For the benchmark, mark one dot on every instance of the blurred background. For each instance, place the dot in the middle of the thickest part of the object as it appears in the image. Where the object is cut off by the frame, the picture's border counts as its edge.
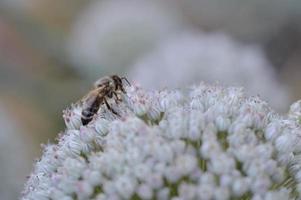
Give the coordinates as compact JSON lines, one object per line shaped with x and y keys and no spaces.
{"x":51,"y":51}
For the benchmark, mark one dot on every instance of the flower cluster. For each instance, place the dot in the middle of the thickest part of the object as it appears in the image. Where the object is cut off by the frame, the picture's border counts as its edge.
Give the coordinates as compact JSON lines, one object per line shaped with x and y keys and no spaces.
{"x":105,"y":28}
{"x":203,"y":142}
{"x":193,"y":56}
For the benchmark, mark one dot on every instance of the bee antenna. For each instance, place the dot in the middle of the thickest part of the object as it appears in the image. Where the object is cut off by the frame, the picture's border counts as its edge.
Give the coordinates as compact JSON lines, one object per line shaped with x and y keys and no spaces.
{"x":123,"y":78}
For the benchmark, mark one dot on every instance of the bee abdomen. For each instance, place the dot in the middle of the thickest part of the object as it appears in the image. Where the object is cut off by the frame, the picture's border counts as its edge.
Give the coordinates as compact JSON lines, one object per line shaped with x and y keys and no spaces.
{"x":86,"y":121}
{"x":87,"y":116}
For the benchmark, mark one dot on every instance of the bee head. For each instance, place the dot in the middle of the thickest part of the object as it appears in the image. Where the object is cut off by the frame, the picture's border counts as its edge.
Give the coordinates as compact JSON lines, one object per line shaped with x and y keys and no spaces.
{"x":114,"y":82}
{"x":118,"y":82}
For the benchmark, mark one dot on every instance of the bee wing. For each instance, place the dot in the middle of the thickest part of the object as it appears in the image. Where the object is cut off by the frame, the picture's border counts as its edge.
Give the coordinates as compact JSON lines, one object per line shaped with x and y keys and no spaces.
{"x":102,"y":82}
{"x":91,"y":96}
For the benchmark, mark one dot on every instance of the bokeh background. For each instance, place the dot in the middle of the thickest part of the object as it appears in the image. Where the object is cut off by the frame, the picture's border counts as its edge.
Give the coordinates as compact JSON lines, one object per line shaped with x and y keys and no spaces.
{"x":51,"y":51}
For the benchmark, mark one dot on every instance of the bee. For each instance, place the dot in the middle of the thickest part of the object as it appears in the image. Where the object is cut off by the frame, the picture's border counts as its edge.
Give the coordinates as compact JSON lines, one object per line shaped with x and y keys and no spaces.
{"x":105,"y":88}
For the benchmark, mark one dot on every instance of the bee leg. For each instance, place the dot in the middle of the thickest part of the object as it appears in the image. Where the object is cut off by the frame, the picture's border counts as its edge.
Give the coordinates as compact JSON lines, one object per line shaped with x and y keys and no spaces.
{"x":117,"y":99}
{"x":110,"y":95}
{"x":123,"y":90}
{"x":123,"y":78}
{"x":110,"y":108}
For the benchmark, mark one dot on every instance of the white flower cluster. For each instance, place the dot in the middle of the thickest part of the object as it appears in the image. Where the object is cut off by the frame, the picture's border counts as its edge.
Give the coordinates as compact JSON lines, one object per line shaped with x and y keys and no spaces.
{"x":194,"y":56}
{"x":203,"y":142}
{"x":106,"y":28}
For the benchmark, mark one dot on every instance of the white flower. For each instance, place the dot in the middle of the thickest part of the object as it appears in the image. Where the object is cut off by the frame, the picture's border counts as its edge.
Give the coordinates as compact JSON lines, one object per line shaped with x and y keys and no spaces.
{"x":240,"y":186}
{"x":273,"y":130}
{"x":233,"y":147}
{"x":186,"y":164}
{"x":260,"y":185}
{"x":188,"y":191}
{"x":205,"y":192}
{"x":145,"y":191}
{"x":84,"y":189}
{"x":72,"y":116}
{"x":92,"y":177}
{"x":163,"y":194}
{"x":222,"y":164}
{"x":295,"y":111}
{"x":125,"y":186}
{"x":221,"y":193}
{"x":278,"y":195}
